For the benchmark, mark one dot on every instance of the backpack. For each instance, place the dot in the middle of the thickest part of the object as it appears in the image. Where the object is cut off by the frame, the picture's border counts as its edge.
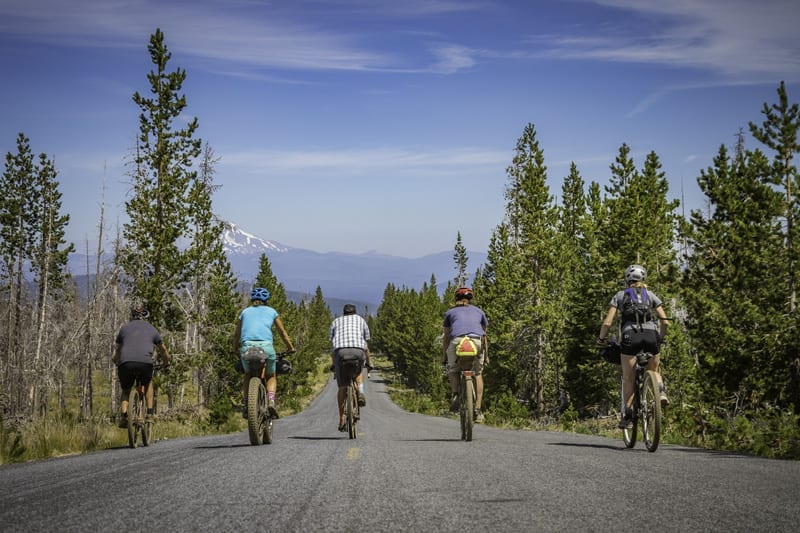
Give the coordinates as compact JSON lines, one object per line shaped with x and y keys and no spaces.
{"x":636,"y":306}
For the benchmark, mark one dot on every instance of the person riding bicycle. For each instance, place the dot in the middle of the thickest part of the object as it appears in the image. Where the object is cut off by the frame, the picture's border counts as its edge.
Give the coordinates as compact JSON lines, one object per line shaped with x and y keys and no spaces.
{"x":349,"y":335}
{"x":254,"y":329}
{"x":465,"y":322}
{"x":135,"y":343}
{"x":638,"y":334}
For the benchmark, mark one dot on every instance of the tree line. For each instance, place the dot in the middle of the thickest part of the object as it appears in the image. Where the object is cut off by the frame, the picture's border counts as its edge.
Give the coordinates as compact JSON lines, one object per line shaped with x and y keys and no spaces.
{"x":727,"y":274}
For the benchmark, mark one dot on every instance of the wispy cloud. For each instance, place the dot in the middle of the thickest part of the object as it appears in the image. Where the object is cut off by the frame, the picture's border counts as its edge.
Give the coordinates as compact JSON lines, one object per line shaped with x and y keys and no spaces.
{"x":733,"y":38}
{"x":378,"y":161}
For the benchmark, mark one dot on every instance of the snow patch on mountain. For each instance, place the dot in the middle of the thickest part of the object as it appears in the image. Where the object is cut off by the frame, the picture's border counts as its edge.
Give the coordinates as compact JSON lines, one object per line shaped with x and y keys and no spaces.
{"x":237,"y":241}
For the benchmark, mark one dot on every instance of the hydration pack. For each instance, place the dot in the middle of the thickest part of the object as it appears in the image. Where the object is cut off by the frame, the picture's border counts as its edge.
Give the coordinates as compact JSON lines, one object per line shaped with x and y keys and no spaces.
{"x":636,"y":306}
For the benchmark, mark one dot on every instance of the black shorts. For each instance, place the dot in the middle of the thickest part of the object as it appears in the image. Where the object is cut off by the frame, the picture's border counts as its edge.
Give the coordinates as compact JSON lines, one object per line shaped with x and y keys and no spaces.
{"x":635,"y":340}
{"x":131,"y":371}
{"x":352,"y":354}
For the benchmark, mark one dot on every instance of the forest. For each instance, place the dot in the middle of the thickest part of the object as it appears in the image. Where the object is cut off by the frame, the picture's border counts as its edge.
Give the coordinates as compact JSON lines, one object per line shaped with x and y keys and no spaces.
{"x":727,"y":275}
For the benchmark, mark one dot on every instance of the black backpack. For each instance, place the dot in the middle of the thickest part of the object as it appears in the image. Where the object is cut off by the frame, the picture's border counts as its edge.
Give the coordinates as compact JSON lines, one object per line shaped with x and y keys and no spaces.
{"x":636,"y":306}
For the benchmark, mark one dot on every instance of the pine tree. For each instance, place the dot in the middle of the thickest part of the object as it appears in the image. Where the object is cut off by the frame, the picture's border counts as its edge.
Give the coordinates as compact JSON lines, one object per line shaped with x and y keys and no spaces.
{"x":18,"y":226}
{"x":779,"y":132}
{"x":461,"y":259}
{"x":161,"y":210}
{"x":731,"y":303}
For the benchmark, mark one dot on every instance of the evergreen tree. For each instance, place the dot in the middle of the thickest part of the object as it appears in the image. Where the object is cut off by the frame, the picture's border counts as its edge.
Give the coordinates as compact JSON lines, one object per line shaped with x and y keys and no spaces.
{"x":161,"y":210}
{"x":18,"y":226}
{"x":461,"y":260}
{"x":732,"y":306}
{"x":779,"y":132}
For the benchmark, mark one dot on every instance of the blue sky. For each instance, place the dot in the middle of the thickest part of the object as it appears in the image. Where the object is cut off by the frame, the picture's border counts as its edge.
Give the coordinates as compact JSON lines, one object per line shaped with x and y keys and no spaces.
{"x":370,"y":125}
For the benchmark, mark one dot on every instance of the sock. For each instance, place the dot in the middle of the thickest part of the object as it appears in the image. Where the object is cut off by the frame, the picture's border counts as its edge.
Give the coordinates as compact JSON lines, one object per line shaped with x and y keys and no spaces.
{"x":150,"y":411}
{"x":271,"y":395}
{"x":361,"y":388}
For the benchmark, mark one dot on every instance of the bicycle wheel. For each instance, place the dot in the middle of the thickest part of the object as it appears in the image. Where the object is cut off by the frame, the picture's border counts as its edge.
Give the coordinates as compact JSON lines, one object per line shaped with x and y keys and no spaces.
{"x":629,"y":435}
{"x":350,"y":410}
{"x":134,"y":412}
{"x":147,"y":425}
{"x":651,"y":412}
{"x":467,"y":394}
{"x":256,"y":410}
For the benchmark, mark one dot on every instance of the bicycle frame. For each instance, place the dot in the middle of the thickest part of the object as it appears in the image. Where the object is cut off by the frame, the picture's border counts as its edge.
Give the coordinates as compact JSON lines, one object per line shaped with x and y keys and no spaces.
{"x":138,"y":424}
{"x":259,"y":419}
{"x":646,"y":406}
{"x":466,"y":396}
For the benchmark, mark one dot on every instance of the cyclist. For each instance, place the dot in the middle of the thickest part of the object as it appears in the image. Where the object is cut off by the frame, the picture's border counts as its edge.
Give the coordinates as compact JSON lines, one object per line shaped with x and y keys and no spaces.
{"x":349,"y":335}
{"x":254,"y":328}
{"x":638,"y":335}
{"x":465,"y":321}
{"x":133,"y":356}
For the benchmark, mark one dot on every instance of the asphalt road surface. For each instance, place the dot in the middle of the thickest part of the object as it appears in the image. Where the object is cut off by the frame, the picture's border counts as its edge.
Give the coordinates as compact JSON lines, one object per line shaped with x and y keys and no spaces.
{"x":404,"y":472}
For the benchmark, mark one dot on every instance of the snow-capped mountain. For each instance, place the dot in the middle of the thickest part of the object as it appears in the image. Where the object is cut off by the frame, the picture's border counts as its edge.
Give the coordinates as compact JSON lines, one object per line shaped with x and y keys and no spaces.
{"x":238,"y":241}
{"x":358,"y":278}
{"x":361,"y":277}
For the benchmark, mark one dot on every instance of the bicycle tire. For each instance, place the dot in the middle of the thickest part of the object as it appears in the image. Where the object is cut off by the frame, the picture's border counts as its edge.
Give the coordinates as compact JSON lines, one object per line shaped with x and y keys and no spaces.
{"x":133,"y":416}
{"x":629,"y":435}
{"x":651,"y":412}
{"x":256,"y":408}
{"x":147,"y":431}
{"x":470,"y":408}
{"x":350,"y":407}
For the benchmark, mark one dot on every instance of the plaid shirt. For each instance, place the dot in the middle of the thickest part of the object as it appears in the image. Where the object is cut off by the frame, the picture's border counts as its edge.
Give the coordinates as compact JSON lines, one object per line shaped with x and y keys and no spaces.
{"x":349,"y":331}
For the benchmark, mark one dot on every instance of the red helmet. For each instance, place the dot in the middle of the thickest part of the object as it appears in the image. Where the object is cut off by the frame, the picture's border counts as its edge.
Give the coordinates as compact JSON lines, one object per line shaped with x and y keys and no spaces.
{"x":463,"y":293}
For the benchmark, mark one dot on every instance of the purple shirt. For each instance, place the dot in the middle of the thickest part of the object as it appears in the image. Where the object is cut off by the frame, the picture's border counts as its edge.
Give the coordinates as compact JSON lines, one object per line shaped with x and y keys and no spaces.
{"x":465,"y":320}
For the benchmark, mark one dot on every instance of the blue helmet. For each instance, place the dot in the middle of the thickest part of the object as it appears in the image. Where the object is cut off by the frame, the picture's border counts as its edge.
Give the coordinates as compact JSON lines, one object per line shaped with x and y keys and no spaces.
{"x":259,"y":293}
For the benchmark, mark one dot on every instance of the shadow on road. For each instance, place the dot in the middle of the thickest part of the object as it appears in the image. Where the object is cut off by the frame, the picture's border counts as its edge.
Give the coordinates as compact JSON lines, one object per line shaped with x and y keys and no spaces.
{"x":222,"y":446}
{"x":582,"y":445}
{"x":314,"y":438}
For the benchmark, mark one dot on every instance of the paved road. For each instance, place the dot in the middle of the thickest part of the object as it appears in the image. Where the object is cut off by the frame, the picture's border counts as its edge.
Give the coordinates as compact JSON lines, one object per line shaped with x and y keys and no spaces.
{"x":405,"y":472}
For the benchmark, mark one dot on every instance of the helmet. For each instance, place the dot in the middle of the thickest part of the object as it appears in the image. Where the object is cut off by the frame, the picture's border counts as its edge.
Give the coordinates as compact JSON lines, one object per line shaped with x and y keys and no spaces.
{"x":283,"y":366}
{"x":635,"y":273}
{"x":463,"y":293}
{"x":259,"y":293}
{"x":349,"y":309}
{"x":139,"y":312}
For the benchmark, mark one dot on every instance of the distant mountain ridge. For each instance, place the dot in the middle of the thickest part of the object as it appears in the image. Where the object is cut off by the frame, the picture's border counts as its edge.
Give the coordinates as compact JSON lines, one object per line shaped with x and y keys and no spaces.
{"x":359,"y":278}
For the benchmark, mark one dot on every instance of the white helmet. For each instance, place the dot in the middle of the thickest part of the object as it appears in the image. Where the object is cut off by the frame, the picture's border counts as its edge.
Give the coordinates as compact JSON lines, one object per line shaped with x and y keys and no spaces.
{"x":635,"y":273}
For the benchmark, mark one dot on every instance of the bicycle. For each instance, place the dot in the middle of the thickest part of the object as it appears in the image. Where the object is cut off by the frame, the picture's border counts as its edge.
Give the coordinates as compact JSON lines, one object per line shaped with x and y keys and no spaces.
{"x":259,"y":419}
{"x":466,"y":397}
{"x":139,"y":424}
{"x":352,"y":412}
{"x":646,"y":406}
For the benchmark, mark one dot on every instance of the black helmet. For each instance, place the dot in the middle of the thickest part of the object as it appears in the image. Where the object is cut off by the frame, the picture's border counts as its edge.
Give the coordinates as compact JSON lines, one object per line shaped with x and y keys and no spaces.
{"x":139,"y":312}
{"x":283,"y":366}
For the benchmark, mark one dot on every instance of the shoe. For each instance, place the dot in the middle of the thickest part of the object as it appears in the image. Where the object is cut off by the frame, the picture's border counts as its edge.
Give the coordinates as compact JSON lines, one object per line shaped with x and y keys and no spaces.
{"x":342,"y":427}
{"x":362,"y":401}
{"x":273,"y":411}
{"x":454,"y":404}
{"x":663,"y":396}
{"x":123,"y":421}
{"x":626,"y":422}
{"x":477,"y":416}
{"x":244,"y":413}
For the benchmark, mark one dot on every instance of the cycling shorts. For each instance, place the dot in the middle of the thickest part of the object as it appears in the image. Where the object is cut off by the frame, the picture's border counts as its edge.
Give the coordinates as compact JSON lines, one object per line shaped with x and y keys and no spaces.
{"x":356,"y":354}
{"x":133,"y":370}
{"x":267,"y":347}
{"x":636,"y":340}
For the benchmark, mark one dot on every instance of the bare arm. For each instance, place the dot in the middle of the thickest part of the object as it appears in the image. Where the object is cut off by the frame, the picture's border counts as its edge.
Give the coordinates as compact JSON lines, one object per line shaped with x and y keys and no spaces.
{"x":236,"y":336}
{"x":164,"y":354}
{"x":606,"y":325}
{"x":445,"y":343}
{"x":663,"y":321}
{"x":284,"y":335}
